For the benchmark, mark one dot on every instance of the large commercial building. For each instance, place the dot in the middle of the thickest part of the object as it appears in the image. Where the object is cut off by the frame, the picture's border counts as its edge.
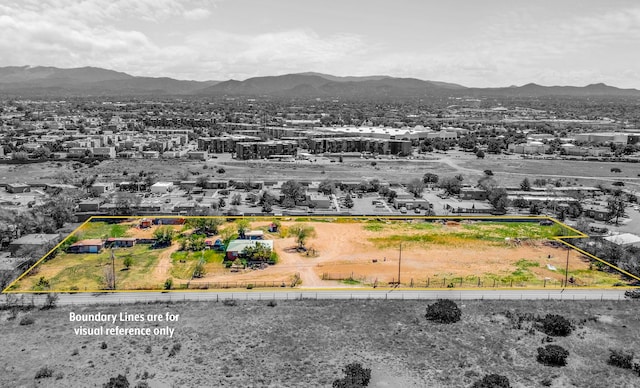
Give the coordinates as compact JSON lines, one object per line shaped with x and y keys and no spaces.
{"x":360,"y":144}
{"x":262,"y":150}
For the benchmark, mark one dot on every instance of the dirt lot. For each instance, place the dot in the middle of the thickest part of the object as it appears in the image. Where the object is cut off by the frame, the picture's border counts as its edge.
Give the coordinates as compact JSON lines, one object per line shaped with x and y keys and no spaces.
{"x":306,"y":343}
{"x":348,"y":250}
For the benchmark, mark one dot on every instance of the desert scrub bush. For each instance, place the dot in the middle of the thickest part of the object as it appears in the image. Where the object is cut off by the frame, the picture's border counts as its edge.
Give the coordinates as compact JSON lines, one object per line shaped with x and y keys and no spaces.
{"x":492,"y":381}
{"x":229,"y":302}
{"x":174,"y":350}
{"x":553,"y":355}
{"x":355,"y":376}
{"x":555,"y":325}
{"x":147,"y":349}
{"x":168,"y":284}
{"x":103,"y":345}
{"x":117,"y":382}
{"x":620,"y":359}
{"x":43,"y":373}
{"x":50,"y":302}
{"x":27,"y":320}
{"x":443,"y":311}
{"x":272,"y":303}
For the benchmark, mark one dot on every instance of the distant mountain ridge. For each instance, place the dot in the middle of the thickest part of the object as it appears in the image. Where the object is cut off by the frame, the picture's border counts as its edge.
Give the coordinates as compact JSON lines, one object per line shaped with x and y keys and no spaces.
{"x":94,"y":81}
{"x":88,"y":81}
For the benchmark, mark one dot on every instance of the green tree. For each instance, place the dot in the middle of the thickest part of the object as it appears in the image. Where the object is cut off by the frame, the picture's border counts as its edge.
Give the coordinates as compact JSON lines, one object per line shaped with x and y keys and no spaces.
{"x":164,"y":235}
{"x":301,"y":233}
{"x":127,"y":262}
{"x":525,"y":185}
{"x":480,"y":154}
{"x":257,"y":252}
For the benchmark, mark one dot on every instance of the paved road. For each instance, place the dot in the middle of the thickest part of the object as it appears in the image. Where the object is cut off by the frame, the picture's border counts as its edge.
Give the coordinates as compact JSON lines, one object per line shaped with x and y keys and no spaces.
{"x":491,"y":294}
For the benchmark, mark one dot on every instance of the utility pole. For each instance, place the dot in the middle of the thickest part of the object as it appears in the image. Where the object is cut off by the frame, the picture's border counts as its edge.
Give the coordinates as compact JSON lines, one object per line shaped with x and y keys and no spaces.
{"x":566,"y":270}
{"x":399,"y":262}
{"x":113,"y":269}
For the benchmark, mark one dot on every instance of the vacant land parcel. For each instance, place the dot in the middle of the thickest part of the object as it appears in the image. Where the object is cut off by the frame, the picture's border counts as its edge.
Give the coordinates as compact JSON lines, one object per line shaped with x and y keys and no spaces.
{"x":208,"y":252}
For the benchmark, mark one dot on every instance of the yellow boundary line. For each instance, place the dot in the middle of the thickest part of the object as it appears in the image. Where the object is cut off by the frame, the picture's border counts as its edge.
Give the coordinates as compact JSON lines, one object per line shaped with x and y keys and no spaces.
{"x":560,"y":239}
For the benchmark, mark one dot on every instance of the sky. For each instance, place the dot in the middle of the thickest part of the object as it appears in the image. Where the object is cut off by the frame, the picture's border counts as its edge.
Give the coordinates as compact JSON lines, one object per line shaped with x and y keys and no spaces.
{"x":489,"y":43}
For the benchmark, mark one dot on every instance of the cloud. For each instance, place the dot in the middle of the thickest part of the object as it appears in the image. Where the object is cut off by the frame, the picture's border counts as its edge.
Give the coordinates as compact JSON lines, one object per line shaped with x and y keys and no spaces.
{"x":197,"y":14}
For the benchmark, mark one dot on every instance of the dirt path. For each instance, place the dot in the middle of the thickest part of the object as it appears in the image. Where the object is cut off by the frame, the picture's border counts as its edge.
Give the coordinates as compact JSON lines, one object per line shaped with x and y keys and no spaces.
{"x":161,"y":271}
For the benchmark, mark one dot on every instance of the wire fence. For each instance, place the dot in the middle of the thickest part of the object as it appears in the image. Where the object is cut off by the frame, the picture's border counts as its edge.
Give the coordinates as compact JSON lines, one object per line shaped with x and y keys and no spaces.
{"x":460,"y":282}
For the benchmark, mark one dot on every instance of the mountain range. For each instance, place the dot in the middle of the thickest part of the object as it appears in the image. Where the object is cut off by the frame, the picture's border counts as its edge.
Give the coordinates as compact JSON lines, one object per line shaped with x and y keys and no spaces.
{"x":93,"y":81}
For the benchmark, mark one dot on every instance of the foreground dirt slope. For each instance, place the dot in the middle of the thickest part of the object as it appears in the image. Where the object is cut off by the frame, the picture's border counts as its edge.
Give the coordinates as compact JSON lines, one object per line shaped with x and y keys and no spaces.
{"x":306,"y":343}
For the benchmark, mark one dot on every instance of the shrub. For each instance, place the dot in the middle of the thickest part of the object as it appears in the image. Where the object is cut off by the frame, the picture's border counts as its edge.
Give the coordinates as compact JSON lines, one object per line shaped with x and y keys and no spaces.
{"x":492,"y":381}
{"x":103,"y":345}
{"x":175,"y":349}
{"x":553,"y":355}
{"x":50,"y":301}
{"x":355,"y":376}
{"x":229,"y":302}
{"x":147,"y":349}
{"x":621,"y":359}
{"x":117,"y":382}
{"x":168,"y":284}
{"x":27,"y":320}
{"x":249,"y":286}
{"x":44,"y":372}
{"x":443,"y":311}
{"x":556,"y":325}
{"x":272,"y":303}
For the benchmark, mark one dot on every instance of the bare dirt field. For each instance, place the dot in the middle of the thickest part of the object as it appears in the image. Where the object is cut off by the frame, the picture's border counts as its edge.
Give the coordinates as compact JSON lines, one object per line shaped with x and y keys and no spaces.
{"x":307,"y":342}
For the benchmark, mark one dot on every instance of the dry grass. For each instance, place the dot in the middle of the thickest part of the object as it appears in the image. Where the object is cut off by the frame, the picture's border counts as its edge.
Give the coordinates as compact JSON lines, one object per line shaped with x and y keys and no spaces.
{"x":307,"y":342}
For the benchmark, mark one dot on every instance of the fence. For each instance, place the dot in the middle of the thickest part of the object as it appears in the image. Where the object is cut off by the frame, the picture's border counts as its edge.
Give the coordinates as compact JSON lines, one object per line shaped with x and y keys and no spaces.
{"x":459,"y":282}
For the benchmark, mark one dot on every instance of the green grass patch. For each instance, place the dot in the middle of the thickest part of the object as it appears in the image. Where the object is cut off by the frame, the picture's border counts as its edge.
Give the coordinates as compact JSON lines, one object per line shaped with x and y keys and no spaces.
{"x":524,"y":263}
{"x":350,"y":281}
{"x":102,"y":230}
{"x":374,"y":227}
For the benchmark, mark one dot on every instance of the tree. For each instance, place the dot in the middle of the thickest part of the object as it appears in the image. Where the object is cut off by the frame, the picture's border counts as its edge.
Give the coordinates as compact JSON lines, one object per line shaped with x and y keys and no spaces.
{"x":498,"y":198}
{"x":451,"y":186}
{"x":355,"y":376}
{"x":127,"y":262}
{"x":520,"y":203}
{"x":553,"y":355}
{"x":616,"y":207}
{"x":443,"y":311}
{"x":494,"y":146}
{"x":208,"y":226}
{"x":327,"y":187}
{"x":556,"y":325}
{"x":430,"y":178}
{"x":164,"y":235}
{"x":416,"y":187}
{"x":236,"y":199}
{"x":222,"y":203}
{"x":348,"y":201}
{"x":480,"y":154}
{"x":525,"y":185}
{"x":199,"y":270}
{"x":257,"y":252}
{"x":243,"y":226}
{"x":117,"y":382}
{"x":125,"y":202}
{"x":492,"y":381}
{"x":301,"y":233}
{"x":294,"y":191}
